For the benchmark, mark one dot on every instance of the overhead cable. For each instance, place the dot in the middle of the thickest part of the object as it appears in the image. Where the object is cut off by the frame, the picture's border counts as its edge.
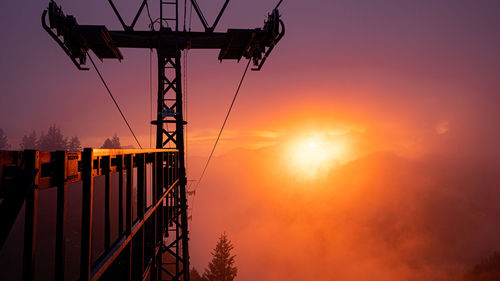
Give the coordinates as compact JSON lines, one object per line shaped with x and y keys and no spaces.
{"x":223,"y":124}
{"x":114,"y":100}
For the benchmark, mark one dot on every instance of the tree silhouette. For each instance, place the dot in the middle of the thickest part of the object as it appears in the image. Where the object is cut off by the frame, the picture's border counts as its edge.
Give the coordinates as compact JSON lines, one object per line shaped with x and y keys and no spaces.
{"x":195,"y":275}
{"x":487,"y":269}
{"x":74,"y":144}
{"x":221,"y":268}
{"x":53,"y":140}
{"x":113,"y":143}
{"x":29,"y":141}
{"x":4,"y":142}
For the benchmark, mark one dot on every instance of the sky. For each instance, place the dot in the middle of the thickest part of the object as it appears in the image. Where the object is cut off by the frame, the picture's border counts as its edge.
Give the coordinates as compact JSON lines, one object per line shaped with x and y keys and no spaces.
{"x":367,"y":145}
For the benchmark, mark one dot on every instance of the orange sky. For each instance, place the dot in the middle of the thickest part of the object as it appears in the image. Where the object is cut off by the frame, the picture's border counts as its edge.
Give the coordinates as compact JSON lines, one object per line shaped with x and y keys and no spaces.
{"x":397,"y":100}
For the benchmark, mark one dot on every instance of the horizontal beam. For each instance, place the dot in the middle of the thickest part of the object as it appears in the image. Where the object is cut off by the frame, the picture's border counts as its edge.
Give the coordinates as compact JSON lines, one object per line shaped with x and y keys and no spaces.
{"x":47,"y":164}
{"x":189,"y":40}
{"x":114,"y":152}
{"x":255,"y":44}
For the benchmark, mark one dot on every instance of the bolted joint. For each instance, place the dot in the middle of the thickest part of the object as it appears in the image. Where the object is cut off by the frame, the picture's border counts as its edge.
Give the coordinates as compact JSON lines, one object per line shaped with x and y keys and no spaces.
{"x":168,"y":113}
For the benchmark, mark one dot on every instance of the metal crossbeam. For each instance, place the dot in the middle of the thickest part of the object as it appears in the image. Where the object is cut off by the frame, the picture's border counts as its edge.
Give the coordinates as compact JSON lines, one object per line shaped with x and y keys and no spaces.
{"x":170,"y":89}
{"x":169,"y":225}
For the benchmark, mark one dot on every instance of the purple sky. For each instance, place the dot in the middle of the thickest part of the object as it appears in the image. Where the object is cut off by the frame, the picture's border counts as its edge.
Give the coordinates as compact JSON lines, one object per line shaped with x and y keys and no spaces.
{"x":423,"y":59}
{"x":419,"y":78}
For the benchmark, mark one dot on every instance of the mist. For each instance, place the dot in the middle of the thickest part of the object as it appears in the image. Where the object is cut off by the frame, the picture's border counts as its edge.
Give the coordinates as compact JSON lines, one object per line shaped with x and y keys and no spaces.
{"x":382,"y":216}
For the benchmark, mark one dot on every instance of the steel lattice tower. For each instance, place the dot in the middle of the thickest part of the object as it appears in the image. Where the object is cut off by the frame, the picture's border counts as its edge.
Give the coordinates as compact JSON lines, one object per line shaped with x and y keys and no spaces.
{"x":255,"y":44}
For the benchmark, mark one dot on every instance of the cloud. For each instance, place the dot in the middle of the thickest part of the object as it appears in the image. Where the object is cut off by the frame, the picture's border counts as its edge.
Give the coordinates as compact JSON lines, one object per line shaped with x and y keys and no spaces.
{"x":442,"y":127}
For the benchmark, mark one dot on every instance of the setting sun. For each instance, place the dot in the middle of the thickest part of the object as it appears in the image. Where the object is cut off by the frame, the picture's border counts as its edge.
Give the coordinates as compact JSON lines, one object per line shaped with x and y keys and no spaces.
{"x":312,"y":155}
{"x":199,"y":141}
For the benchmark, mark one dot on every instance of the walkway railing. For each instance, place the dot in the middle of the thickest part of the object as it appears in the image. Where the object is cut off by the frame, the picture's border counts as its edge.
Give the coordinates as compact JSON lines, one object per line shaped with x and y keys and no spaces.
{"x":121,"y":238}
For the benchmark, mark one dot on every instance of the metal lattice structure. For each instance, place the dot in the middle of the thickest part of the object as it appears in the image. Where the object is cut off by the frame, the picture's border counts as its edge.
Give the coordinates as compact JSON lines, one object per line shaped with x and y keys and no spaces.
{"x":153,"y":238}
{"x":170,"y":112}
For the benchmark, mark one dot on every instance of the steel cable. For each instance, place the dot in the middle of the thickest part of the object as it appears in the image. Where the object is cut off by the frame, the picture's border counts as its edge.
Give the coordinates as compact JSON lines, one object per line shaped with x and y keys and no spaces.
{"x":114,"y":100}
{"x":223,"y":124}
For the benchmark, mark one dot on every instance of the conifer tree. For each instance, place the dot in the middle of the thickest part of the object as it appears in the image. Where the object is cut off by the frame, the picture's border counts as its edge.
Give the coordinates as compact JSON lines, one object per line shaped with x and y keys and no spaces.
{"x":113,"y":143}
{"x":74,"y":144}
{"x":222,"y":267}
{"x":53,"y":140}
{"x":4,"y":143}
{"x":29,"y":141}
{"x":195,"y":275}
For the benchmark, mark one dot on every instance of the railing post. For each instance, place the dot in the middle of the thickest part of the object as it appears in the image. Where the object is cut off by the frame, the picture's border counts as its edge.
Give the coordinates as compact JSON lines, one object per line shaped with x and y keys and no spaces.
{"x":61,"y":175}
{"x":154,"y":268}
{"x":87,"y":203}
{"x":120,"y":193}
{"x":141,"y":185}
{"x":129,"y":162}
{"x":107,"y":199}
{"x":32,"y":168}
{"x":141,"y":209}
{"x":159,"y":211}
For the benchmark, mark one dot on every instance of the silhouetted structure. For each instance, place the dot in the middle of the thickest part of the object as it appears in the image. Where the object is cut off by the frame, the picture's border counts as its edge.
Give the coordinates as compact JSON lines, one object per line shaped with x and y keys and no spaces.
{"x":138,"y":213}
{"x":160,"y":228}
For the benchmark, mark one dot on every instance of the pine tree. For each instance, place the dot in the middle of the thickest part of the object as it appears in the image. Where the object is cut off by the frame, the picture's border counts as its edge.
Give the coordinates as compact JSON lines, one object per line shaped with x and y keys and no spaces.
{"x":4,"y":143}
{"x":113,"y":143}
{"x":74,"y":144}
{"x":53,"y":140}
{"x":116,"y":141}
{"x":221,"y":268}
{"x":29,"y":141}
{"x":195,"y":275}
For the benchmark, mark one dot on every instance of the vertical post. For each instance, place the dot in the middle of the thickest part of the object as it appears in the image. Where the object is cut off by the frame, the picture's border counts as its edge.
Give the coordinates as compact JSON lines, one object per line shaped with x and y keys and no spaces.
{"x":128,"y":221}
{"x":120,"y":193}
{"x":161,"y":15}
{"x":177,"y":15}
{"x":61,"y":175}
{"x":167,"y":178}
{"x":31,"y":184}
{"x":141,"y":209}
{"x":107,"y":199}
{"x":160,"y":102}
{"x":170,"y":111}
{"x":87,"y":204}
{"x":141,"y":185}
{"x":159,"y":210}
{"x":182,"y":171}
{"x":129,"y":194}
{"x":156,"y":270}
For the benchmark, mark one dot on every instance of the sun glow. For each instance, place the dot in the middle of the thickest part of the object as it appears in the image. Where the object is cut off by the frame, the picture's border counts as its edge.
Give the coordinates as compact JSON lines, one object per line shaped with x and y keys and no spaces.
{"x":308,"y":157}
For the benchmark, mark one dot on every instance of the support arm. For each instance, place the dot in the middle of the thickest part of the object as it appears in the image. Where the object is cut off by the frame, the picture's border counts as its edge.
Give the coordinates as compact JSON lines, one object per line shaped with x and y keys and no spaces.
{"x":138,"y":14}
{"x":125,"y":27}
{"x":200,"y":15}
{"x":219,"y":16}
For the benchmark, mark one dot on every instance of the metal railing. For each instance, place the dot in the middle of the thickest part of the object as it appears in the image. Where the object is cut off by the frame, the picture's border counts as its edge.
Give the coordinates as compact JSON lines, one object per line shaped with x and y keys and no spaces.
{"x":145,"y":179}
